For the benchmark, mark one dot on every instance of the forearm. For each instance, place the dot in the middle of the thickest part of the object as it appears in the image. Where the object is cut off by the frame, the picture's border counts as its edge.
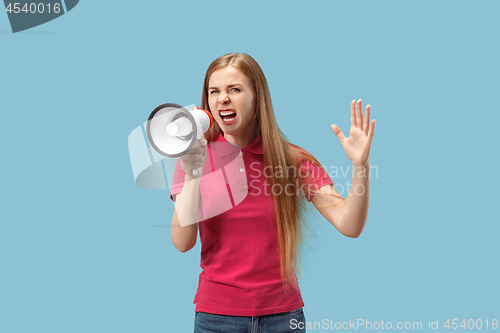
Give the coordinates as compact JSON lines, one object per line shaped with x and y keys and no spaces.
{"x":355,"y":212}
{"x":184,"y":222}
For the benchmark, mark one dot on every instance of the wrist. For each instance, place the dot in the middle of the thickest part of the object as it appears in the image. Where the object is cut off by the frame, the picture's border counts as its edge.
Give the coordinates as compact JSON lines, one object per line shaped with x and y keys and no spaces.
{"x":189,"y":177}
{"x":360,"y":171}
{"x":361,"y":165}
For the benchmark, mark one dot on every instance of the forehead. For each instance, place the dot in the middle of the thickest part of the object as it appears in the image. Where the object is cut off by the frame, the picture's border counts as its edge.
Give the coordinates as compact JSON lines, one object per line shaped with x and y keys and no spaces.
{"x":226,"y":76}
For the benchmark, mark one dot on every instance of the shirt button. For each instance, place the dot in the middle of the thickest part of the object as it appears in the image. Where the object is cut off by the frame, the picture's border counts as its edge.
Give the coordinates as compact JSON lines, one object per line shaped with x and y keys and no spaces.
{"x":242,"y":169}
{"x":241,"y":153}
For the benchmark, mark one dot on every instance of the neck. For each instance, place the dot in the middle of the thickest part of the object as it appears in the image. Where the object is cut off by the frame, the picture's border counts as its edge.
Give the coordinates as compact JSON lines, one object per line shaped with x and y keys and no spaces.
{"x":239,"y":140}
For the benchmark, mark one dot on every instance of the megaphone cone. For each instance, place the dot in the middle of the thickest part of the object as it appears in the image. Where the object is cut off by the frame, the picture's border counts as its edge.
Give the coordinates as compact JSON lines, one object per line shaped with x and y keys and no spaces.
{"x":172,"y":130}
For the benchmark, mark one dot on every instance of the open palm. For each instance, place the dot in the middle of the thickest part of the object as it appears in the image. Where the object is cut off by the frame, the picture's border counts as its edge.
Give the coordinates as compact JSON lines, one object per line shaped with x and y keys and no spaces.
{"x":357,"y":145}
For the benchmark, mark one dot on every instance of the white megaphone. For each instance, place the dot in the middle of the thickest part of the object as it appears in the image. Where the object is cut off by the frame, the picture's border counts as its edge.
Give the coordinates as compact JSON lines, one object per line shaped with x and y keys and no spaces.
{"x":172,"y":130}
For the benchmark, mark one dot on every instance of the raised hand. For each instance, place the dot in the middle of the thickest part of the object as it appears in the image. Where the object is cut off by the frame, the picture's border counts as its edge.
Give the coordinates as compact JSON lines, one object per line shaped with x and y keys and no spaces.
{"x":357,"y":146}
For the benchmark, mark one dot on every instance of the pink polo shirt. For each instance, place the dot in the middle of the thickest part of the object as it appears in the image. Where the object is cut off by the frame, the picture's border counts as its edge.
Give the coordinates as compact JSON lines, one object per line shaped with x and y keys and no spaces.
{"x":239,"y":254}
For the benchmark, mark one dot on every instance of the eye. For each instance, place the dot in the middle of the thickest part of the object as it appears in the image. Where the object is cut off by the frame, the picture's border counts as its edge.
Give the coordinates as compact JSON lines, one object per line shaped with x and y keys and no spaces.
{"x":235,"y":89}
{"x":213,"y":91}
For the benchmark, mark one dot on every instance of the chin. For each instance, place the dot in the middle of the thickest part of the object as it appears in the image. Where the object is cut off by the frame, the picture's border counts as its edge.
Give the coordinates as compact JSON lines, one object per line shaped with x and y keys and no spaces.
{"x":230,"y":128}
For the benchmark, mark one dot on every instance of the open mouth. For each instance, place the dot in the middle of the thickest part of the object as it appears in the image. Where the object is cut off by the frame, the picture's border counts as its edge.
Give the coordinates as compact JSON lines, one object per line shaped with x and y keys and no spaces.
{"x":227,"y":116}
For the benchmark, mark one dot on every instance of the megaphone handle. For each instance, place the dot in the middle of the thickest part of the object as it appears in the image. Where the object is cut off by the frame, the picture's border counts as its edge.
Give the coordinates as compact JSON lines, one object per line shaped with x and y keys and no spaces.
{"x":197,"y":171}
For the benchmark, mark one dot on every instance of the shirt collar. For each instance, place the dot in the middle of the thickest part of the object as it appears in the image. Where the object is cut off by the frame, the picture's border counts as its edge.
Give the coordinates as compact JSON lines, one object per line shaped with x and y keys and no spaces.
{"x":225,"y":149}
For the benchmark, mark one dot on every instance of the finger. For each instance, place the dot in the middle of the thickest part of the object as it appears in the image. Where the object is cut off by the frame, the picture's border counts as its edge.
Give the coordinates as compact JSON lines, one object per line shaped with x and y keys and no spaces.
{"x":196,"y":150}
{"x":366,"y":120}
{"x":359,"y":115}
{"x":205,"y":149}
{"x":372,"y":130}
{"x":199,"y":146}
{"x":192,"y":158}
{"x":189,"y":166}
{"x":193,"y":165}
{"x":200,"y":143}
{"x":338,"y":133}
{"x":353,"y":114}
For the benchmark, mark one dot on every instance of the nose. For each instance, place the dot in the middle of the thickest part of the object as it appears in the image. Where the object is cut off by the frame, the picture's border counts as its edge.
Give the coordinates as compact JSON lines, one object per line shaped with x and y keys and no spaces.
{"x":223,"y":98}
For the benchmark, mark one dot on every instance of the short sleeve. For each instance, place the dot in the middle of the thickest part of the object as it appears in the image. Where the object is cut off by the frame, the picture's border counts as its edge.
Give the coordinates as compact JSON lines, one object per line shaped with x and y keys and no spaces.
{"x":314,"y":177}
{"x":178,"y":181}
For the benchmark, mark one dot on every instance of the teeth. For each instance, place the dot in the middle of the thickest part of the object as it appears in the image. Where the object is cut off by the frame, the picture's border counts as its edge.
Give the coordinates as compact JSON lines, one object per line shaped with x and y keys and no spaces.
{"x":226,"y":113}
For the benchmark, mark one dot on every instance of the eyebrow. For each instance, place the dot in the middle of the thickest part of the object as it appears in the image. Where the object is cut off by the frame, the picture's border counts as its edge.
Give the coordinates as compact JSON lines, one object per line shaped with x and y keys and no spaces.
{"x":229,"y":86}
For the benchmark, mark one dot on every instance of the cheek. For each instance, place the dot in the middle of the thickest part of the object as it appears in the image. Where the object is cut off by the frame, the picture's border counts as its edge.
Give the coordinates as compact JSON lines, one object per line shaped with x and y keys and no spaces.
{"x":250,"y":106}
{"x":212,"y":103}
{"x":212,"y":106}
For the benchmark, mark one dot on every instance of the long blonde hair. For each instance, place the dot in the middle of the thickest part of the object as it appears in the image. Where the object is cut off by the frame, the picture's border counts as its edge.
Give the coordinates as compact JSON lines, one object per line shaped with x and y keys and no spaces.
{"x":279,"y":153}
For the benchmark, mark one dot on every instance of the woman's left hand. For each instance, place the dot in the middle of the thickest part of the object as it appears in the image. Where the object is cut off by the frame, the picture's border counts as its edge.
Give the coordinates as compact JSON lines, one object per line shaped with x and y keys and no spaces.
{"x":357,"y":145}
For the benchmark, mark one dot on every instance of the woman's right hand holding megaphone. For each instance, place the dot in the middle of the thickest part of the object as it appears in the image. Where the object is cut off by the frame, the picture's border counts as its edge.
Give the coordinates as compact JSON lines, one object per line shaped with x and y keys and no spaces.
{"x":194,"y":159}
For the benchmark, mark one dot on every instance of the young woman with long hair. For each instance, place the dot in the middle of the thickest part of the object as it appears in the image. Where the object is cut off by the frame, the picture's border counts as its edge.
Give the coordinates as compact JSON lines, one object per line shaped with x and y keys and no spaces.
{"x":250,"y":253}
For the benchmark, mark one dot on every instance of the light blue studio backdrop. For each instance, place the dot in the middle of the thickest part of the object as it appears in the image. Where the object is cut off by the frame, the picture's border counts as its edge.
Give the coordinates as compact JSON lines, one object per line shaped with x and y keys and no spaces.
{"x":84,"y":249}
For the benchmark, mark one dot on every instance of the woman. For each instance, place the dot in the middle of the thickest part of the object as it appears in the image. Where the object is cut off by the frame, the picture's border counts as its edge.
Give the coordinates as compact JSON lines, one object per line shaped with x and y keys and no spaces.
{"x":250,"y":252}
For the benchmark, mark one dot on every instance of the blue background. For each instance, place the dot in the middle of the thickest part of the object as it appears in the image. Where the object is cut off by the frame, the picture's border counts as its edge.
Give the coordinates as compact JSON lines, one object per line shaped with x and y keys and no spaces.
{"x":84,"y":249}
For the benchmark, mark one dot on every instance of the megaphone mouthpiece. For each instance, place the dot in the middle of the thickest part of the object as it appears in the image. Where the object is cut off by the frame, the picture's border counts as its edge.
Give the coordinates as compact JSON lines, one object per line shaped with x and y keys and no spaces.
{"x":180,"y":127}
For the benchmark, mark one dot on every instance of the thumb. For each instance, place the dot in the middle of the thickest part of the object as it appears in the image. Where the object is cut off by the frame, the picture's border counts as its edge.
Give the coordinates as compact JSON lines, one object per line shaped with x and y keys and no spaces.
{"x":338,"y":133}
{"x":204,"y":144}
